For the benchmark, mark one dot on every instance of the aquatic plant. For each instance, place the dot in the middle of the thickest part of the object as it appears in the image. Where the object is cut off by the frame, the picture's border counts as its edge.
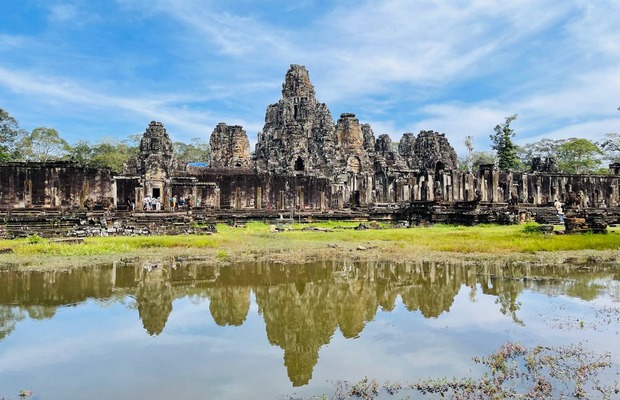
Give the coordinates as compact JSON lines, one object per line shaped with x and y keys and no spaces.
{"x":513,"y":372}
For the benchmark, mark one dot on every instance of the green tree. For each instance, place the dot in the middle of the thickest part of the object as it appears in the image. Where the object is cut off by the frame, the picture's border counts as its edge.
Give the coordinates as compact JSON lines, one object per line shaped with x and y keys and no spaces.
{"x":503,"y":145}
{"x":543,"y":149}
{"x":611,"y":147}
{"x":106,"y":153}
{"x":81,"y":152}
{"x":577,"y":155}
{"x":43,"y":144}
{"x":478,"y":158}
{"x":197,"y":150}
{"x":113,"y":154}
{"x":469,"y":144}
{"x":9,"y":132}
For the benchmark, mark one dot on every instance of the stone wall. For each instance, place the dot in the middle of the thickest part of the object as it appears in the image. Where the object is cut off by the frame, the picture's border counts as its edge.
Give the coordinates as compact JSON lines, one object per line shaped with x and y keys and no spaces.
{"x":54,"y":185}
{"x":303,"y":161}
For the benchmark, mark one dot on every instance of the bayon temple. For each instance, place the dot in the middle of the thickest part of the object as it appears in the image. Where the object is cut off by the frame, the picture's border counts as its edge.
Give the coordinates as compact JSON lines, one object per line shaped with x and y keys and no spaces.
{"x":307,"y":163}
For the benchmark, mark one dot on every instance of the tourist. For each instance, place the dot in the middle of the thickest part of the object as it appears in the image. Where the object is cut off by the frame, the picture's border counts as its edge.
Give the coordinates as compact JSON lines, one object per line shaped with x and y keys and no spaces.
{"x":558,"y":209}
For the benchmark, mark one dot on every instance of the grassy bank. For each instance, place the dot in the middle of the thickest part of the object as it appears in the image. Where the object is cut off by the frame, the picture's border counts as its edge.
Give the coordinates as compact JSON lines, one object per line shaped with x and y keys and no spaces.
{"x":256,"y":242}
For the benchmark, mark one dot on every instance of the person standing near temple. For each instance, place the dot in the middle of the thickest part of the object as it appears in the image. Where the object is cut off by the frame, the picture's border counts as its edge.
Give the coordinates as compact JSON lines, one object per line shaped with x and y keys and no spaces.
{"x":558,"y":209}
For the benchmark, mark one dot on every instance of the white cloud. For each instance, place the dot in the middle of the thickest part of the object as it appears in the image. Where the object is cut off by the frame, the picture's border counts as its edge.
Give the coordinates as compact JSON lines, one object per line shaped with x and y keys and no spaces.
{"x":63,"y":12}
{"x":54,"y":90}
{"x":12,"y":42}
{"x":425,"y":42}
{"x":453,"y":67}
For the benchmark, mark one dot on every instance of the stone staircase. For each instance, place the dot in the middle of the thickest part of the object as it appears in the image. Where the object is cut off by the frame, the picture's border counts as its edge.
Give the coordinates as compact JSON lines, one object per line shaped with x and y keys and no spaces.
{"x":546,"y":216}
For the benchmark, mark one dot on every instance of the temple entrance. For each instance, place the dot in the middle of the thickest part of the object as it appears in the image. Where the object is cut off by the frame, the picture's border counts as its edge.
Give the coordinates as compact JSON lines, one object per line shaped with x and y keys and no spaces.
{"x":156,"y":192}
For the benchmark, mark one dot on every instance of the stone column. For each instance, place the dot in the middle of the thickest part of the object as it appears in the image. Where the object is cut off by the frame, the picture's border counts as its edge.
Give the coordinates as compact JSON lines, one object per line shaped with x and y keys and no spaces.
{"x":369,"y":188}
{"x":430,"y":188}
{"x":237,"y":198}
{"x":258,"y":204}
{"x":523,"y":191}
{"x":114,"y":192}
{"x":166,"y":196}
{"x":494,"y":185}
{"x":281,"y":204}
{"x":300,"y":198}
{"x":139,"y":195}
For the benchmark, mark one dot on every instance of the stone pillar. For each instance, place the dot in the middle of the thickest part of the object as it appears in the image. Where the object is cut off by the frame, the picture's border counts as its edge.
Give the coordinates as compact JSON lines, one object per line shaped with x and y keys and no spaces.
{"x":139,"y":195}
{"x":430,"y":192}
{"x":508,"y":187}
{"x":322,"y":204}
{"x":258,"y":203}
{"x":218,"y":200}
{"x":369,"y":188}
{"x":300,"y":198}
{"x":114,"y":193}
{"x":238,"y":198}
{"x":455,"y":189}
{"x":523,"y":192}
{"x":447,"y":179}
{"x":281,"y":204}
{"x":612,"y":200}
{"x":489,"y":182}
{"x":194,"y":195}
{"x":166,"y":196}
{"x":494,"y":185}
{"x":83,"y":193}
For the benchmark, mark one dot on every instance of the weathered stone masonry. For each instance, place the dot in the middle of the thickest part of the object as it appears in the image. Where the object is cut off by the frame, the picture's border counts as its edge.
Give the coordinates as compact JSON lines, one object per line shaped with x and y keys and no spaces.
{"x":303,"y":161}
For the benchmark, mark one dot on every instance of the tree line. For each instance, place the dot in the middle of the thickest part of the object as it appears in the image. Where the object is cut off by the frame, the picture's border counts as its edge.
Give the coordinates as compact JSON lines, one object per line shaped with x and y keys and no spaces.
{"x":45,"y":144}
{"x":574,"y":155}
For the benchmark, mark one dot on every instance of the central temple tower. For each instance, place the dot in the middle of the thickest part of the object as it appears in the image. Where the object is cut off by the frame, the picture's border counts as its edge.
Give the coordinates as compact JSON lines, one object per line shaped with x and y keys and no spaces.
{"x":299,"y":133}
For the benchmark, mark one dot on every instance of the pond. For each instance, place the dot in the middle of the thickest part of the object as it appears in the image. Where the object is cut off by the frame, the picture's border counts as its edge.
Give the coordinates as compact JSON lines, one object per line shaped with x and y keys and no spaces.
{"x":166,"y":329}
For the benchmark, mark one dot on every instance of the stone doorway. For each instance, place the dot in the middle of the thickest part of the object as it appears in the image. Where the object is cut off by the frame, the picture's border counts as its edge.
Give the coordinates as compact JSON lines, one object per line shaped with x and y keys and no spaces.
{"x":299,"y":164}
{"x":156,"y":192}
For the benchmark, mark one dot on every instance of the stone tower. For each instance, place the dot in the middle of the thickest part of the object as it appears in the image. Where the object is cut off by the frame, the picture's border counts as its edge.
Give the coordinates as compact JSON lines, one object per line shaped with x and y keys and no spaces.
{"x":435,"y":152}
{"x":156,"y":158}
{"x":407,"y":150}
{"x":230,"y":146}
{"x":353,"y":139}
{"x":299,"y":133}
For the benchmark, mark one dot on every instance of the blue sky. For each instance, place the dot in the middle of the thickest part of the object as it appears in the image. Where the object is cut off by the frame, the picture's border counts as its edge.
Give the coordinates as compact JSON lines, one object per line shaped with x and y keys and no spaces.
{"x":106,"y":68}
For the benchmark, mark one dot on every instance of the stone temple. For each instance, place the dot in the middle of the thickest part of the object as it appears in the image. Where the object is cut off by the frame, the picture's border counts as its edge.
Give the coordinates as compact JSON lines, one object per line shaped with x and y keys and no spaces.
{"x":306,"y":162}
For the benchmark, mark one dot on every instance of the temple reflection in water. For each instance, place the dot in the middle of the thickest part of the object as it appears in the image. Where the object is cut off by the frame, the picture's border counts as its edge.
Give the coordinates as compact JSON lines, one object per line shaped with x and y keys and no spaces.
{"x":302,"y":306}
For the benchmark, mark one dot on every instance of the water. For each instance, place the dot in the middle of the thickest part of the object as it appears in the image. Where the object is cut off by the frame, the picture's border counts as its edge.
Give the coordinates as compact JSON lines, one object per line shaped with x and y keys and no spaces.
{"x":165,"y":329}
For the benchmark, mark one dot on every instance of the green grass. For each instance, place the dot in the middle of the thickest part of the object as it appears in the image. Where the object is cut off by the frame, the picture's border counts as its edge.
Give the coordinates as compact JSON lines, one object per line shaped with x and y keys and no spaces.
{"x":255,"y":239}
